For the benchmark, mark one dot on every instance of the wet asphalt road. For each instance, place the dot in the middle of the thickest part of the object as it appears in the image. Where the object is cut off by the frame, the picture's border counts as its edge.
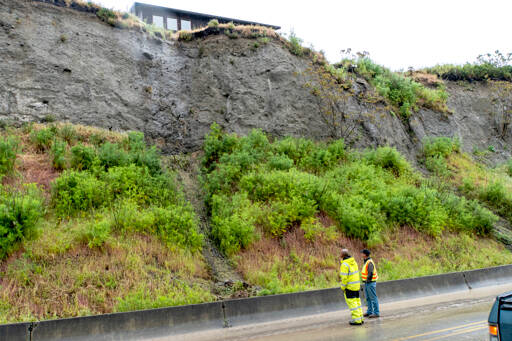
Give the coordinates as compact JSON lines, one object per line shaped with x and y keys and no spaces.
{"x":463,"y":321}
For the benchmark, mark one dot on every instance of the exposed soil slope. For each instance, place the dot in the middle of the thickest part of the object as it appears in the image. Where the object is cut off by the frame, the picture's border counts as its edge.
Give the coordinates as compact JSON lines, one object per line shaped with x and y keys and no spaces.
{"x":69,"y":64}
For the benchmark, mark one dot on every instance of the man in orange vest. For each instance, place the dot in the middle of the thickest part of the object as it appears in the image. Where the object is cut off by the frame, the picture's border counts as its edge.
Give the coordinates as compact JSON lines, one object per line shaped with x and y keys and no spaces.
{"x":369,"y":277}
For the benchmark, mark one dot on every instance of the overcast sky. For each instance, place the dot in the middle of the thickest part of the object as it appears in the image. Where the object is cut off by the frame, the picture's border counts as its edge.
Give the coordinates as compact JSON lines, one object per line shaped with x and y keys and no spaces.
{"x":397,"y":33}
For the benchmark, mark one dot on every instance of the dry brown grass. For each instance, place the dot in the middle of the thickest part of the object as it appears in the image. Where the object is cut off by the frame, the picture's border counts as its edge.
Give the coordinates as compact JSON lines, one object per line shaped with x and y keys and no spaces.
{"x":299,"y":264}
{"x":244,"y":31}
{"x":427,"y":79}
{"x":59,"y":276}
{"x":32,"y":166}
{"x":83,"y":132}
{"x":121,"y":20}
{"x":38,"y":169}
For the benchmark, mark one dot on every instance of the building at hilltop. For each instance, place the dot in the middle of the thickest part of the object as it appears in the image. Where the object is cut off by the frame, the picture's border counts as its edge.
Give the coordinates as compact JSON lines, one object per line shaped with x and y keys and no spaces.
{"x":176,"y":19}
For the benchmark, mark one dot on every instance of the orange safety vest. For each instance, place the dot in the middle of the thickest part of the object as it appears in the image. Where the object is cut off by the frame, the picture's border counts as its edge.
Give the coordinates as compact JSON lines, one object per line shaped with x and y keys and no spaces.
{"x":364,"y":272}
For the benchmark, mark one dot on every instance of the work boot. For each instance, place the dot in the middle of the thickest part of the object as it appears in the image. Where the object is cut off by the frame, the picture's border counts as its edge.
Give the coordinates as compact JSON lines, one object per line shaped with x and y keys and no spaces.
{"x":352,"y":323}
{"x":373,"y":316}
{"x":366,"y":315}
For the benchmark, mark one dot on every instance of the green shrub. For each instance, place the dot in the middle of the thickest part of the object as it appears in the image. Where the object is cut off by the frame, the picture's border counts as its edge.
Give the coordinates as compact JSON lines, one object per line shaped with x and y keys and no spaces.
{"x":264,"y":186}
{"x":313,"y":229}
{"x":82,"y":157}
{"x":177,"y":225}
{"x":296,"y":45}
{"x":216,"y":144}
{"x":137,"y":183}
{"x":58,"y":153}
{"x":254,"y":186}
{"x":49,"y":118}
{"x":221,"y":180}
{"x":214,"y":23}
{"x":98,"y":233}
{"x":43,"y":138}
{"x":107,"y":15}
{"x":9,"y":148}
{"x":27,"y":127}
{"x":438,"y":165}
{"x":97,"y":139}
{"x":509,"y":167}
{"x":19,"y":213}
{"x":128,"y":216}
{"x":135,"y":141}
{"x":277,"y":218}
{"x":112,"y":155}
{"x":148,"y":157}
{"x":67,"y":133}
{"x":389,"y":158}
{"x":417,"y":207}
{"x":498,"y":197}
{"x":356,"y":215}
{"x":319,"y":160}
{"x":233,"y":222}
{"x":440,"y":146}
{"x":472,"y":72}
{"x":131,"y":181}
{"x":401,"y":91}
{"x":280,"y":162}
{"x":185,"y":36}
{"x":75,"y":191}
{"x":469,"y":215}
{"x":141,"y":155}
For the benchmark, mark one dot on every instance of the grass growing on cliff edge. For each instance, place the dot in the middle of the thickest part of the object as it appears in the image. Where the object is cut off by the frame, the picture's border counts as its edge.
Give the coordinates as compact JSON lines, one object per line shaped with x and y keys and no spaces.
{"x":282,"y":209}
{"x":491,"y":66}
{"x":401,"y":90}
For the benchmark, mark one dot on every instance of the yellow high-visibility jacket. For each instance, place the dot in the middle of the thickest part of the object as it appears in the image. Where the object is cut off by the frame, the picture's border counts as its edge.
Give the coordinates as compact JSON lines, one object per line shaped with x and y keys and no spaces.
{"x":349,"y":274}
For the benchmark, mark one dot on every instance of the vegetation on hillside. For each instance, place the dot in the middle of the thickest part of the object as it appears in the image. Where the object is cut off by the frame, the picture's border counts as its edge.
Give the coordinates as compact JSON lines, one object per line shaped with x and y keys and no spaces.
{"x":401,"y":90}
{"x":117,"y":233}
{"x":492,"y":187}
{"x":102,"y":226}
{"x":261,"y":193}
{"x":495,"y":66}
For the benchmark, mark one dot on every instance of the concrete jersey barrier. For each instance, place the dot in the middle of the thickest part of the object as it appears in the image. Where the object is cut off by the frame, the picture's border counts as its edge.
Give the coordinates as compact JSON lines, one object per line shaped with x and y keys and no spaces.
{"x":15,"y":332}
{"x":404,"y":289}
{"x":270,"y":308}
{"x":488,"y":276}
{"x":134,"y":325}
{"x":200,"y":317}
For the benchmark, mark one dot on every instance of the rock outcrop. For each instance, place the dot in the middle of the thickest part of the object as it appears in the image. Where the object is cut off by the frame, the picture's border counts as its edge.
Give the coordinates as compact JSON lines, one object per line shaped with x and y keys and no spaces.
{"x":71,"y":65}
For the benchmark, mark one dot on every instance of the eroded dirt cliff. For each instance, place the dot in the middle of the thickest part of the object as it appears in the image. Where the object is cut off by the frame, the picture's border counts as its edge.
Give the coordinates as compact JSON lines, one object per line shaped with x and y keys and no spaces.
{"x":66,"y":63}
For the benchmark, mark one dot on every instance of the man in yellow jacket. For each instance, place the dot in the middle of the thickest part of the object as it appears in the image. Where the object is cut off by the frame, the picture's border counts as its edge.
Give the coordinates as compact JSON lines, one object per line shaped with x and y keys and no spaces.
{"x":350,"y":284}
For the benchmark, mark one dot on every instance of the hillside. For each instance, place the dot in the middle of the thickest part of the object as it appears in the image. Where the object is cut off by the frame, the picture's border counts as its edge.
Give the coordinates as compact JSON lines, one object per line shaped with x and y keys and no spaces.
{"x":96,"y":222}
{"x":67,"y":63}
{"x":143,"y":169}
